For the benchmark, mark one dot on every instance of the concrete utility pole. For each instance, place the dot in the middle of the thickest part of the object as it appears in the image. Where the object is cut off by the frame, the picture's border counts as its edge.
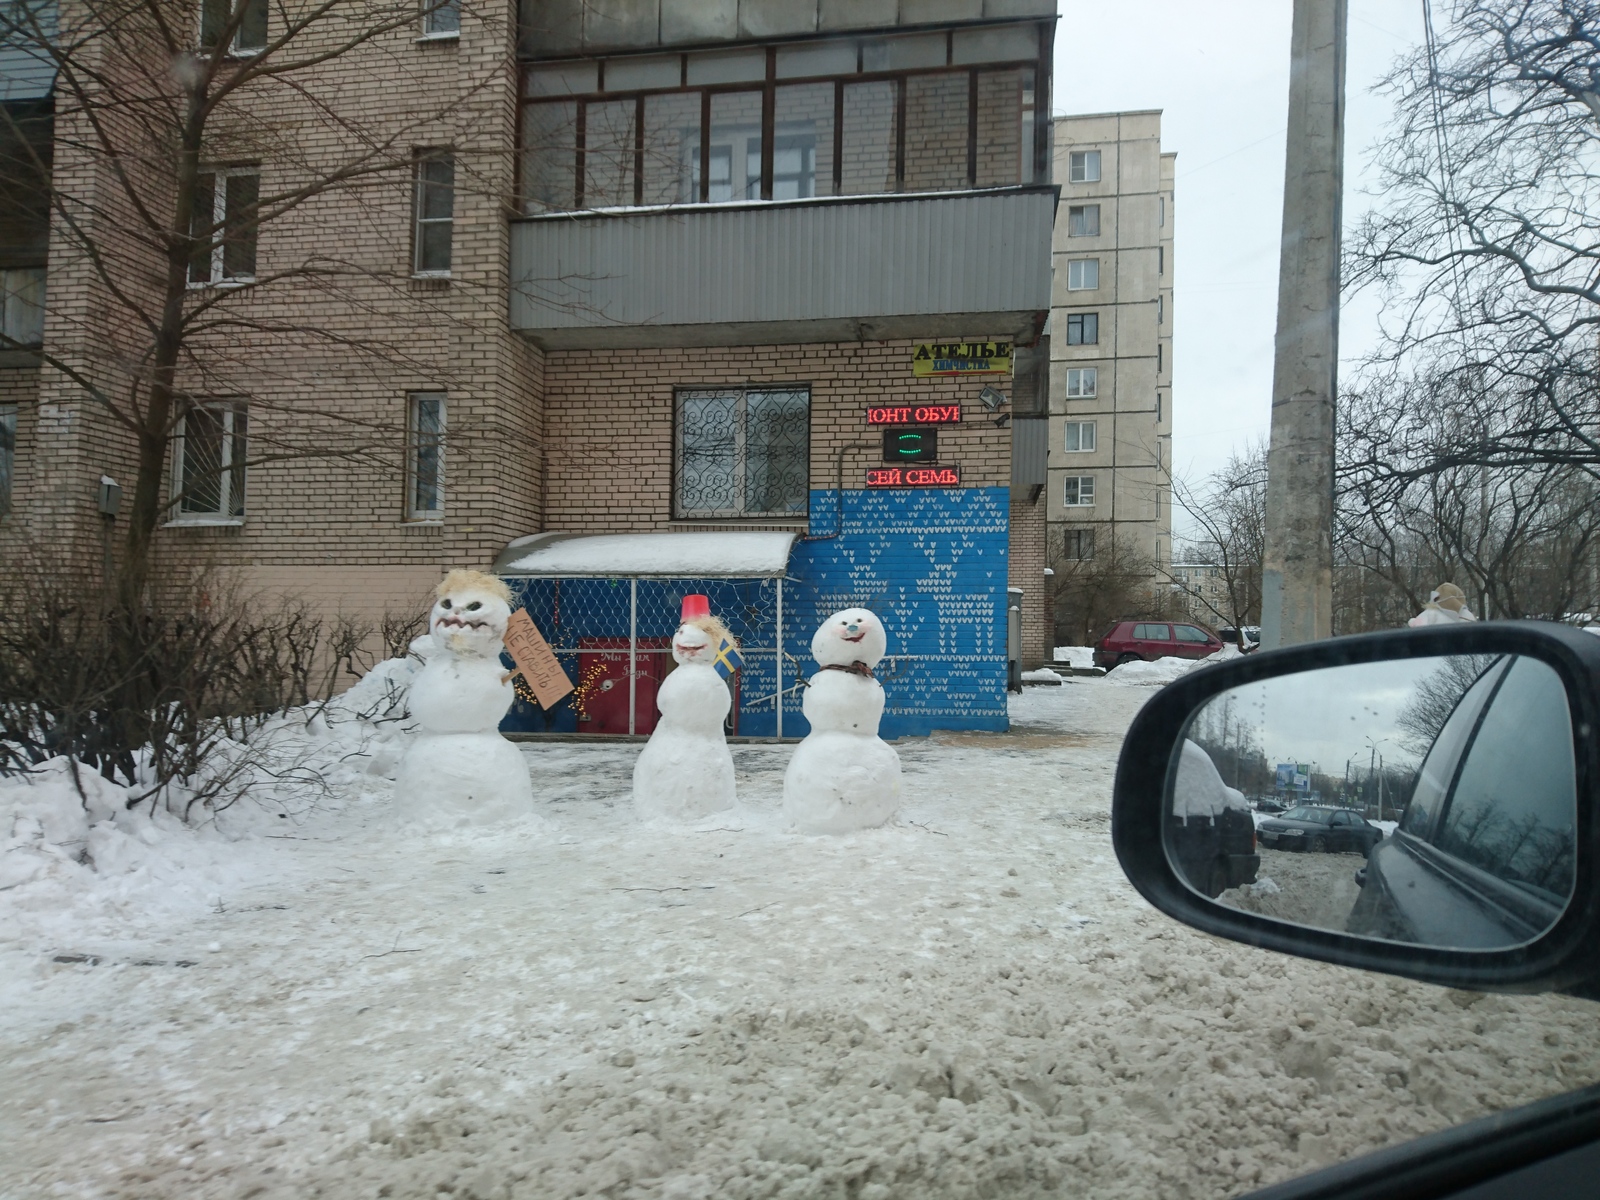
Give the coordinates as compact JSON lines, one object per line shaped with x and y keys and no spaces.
{"x":1297,"y":571}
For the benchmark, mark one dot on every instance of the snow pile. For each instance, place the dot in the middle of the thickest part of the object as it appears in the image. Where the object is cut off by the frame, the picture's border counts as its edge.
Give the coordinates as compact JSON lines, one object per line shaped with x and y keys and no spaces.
{"x":1199,"y":791}
{"x":1043,"y":675}
{"x":969,"y":1002}
{"x":90,"y":854}
{"x":1079,"y":658}
{"x":1228,"y":653}
{"x":1594,"y":629}
{"x":1138,"y":673}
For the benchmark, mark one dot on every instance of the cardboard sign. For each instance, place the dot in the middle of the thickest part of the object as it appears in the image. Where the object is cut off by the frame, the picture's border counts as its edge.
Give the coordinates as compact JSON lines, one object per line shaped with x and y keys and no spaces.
{"x":536,"y":662}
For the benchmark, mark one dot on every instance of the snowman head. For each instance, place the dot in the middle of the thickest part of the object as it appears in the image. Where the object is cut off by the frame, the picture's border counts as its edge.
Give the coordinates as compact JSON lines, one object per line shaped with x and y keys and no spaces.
{"x":697,"y":640}
{"x":852,"y":636}
{"x":470,"y":614}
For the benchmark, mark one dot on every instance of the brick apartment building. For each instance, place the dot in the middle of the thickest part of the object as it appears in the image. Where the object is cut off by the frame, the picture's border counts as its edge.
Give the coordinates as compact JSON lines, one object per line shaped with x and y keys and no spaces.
{"x":692,"y":266}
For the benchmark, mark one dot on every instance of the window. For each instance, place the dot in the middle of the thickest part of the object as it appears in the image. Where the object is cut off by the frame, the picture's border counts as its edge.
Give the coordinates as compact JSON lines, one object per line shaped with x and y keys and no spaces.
{"x":425,"y":456}
{"x":1513,"y":809}
{"x":1188,"y":633}
{"x":743,"y":452}
{"x":1080,"y":437}
{"x":1161,"y":357}
{"x":1079,"y":545}
{"x":1083,"y":329}
{"x":246,"y":19}
{"x":1079,"y":491}
{"x":928,"y":127}
{"x":8,"y":453}
{"x":1153,"y":633}
{"x":1158,"y":408}
{"x":1161,"y":211}
{"x":22,"y":307}
{"x":1161,"y":310}
{"x":435,"y":212}
{"x":223,"y":229}
{"x":1083,"y":166}
{"x":1083,"y":381}
{"x":1083,"y":220}
{"x":1161,"y":260}
{"x":441,"y":18}
{"x":208,"y":474}
{"x":1083,"y":275}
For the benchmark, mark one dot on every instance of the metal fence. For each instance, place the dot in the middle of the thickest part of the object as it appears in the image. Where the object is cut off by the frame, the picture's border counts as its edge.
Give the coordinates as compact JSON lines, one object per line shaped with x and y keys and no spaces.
{"x":613,"y":638}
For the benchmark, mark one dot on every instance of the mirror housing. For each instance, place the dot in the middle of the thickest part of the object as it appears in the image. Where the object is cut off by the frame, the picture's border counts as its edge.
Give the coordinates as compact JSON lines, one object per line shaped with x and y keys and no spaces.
{"x":1566,"y":957}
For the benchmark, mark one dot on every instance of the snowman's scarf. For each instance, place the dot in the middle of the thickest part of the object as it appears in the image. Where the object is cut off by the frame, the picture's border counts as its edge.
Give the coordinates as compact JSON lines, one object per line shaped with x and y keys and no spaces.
{"x":855,"y":668}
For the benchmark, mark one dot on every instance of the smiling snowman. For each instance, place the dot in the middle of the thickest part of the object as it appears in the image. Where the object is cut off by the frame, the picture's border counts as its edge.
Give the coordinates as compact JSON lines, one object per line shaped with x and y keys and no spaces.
{"x":843,"y":775}
{"x":458,"y":770}
{"x":685,"y":772}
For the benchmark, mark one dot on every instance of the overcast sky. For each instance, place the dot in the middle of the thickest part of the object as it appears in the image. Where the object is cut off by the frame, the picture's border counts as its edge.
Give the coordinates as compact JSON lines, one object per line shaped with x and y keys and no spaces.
{"x":1220,"y":73}
{"x":1325,"y":717}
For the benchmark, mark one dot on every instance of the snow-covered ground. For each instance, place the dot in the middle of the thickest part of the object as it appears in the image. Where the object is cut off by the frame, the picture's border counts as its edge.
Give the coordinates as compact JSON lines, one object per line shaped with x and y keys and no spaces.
{"x":971,"y":1002}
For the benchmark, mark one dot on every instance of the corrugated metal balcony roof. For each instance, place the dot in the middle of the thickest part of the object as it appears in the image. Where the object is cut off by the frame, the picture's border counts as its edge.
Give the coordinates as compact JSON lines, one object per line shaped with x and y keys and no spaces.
{"x":849,"y":268}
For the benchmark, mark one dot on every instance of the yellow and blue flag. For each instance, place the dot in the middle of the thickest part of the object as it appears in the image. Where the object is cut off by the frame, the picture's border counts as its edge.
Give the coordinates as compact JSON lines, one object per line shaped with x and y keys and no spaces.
{"x":728,"y":659}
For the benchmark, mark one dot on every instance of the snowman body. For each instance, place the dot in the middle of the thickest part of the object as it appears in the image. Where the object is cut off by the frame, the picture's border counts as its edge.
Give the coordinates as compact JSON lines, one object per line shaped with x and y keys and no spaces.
{"x":458,"y":769}
{"x":685,"y":771}
{"x":843,"y":775}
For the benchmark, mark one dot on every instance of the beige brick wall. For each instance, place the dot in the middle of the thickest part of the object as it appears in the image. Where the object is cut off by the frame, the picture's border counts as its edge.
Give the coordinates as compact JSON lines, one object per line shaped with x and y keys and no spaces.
{"x":1026,"y":571}
{"x":609,"y":422}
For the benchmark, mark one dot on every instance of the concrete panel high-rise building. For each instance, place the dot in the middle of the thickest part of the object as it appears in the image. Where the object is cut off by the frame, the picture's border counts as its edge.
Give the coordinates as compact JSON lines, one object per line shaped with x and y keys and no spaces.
{"x":1111,"y":320}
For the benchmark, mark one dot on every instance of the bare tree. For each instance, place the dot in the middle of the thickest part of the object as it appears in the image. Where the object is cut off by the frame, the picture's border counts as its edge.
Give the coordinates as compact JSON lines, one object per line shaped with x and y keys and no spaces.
{"x":184,"y":132}
{"x":1111,"y":579}
{"x":1482,"y":242}
{"x":1229,"y":512}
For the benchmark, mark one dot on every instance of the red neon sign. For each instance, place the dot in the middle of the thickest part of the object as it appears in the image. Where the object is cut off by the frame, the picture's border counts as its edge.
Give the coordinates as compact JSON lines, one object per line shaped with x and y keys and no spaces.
{"x":913,"y":477}
{"x":914,"y":414}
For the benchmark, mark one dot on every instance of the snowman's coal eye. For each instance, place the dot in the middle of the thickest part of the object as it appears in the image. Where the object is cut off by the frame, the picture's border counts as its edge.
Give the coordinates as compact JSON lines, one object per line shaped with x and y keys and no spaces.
{"x":445,"y":603}
{"x":475,"y":606}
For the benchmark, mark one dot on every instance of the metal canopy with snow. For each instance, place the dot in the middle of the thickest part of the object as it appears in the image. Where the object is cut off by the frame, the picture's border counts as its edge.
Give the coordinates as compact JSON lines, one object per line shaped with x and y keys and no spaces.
{"x":608,"y":605}
{"x":737,"y":554}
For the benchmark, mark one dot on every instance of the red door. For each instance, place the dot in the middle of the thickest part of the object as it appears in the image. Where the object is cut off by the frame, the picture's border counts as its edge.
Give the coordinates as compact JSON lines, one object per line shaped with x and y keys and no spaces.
{"x":604,"y":661}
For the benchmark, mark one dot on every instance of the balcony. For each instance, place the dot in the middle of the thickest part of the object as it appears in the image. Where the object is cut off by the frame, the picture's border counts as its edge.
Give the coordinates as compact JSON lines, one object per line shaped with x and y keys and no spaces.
{"x":854,"y":268}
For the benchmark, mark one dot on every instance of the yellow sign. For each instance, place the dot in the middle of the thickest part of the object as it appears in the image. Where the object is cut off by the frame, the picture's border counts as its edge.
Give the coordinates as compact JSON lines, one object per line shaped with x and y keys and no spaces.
{"x":962,"y":358}
{"x":535,"y":660}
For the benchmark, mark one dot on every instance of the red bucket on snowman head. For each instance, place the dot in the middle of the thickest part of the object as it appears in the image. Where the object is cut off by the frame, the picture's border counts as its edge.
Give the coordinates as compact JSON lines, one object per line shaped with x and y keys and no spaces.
{"x":695,"y":607}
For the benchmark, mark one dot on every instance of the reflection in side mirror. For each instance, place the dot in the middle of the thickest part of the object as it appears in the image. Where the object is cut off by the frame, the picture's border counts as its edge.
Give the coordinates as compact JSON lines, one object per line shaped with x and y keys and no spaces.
{"x":1425,"y":800}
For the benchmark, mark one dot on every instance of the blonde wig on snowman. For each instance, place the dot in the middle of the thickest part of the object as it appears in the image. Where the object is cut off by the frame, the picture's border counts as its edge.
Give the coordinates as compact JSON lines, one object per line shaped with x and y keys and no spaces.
{"x":463,"y":580}
{"x":714,"y":629}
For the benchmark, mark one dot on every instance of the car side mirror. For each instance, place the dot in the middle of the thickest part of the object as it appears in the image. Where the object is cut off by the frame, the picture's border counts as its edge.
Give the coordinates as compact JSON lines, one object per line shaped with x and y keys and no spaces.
{"x":1421,"y":802}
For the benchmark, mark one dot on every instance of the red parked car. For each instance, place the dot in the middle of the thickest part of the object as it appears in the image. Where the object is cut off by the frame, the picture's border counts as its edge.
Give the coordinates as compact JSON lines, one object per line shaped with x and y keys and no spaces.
{"x":1150,"y":640}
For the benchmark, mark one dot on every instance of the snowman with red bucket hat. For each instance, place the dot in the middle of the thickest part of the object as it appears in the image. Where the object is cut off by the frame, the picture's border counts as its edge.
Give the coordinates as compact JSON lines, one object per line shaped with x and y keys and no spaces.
{"x":685,"y":771}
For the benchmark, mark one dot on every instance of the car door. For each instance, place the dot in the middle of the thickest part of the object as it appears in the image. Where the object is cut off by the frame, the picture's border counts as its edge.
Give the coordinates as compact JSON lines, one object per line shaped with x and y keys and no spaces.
{"x":1193,"y":642}
{"x":1154,"y":640}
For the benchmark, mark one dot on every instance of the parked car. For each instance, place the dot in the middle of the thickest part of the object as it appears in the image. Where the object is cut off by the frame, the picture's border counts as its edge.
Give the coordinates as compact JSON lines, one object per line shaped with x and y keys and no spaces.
{"x":1266,"y":804}
{"x":1150,"y":640}
{"x":1508,"y":739}
{"x":1247,"y":638}
{"x":1210,"y":831}
{"x":1319,"y":828}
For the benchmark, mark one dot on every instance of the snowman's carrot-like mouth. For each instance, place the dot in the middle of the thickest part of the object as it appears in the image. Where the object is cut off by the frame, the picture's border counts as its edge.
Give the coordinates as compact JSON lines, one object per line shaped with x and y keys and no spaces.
{"x":458,"y":623}
{"x":688,"y":650}
{"x":857,"y":637}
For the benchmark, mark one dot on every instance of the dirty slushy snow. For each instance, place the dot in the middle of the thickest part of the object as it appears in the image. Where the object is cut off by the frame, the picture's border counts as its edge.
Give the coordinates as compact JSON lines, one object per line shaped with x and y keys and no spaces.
{"x":971,"y":1002}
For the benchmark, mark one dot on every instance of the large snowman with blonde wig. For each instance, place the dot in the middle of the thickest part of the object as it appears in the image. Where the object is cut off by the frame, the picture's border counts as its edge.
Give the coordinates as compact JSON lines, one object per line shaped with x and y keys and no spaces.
{"x":458,"y":769}
{"x":685,"y":772}
{"x":843,"y":775}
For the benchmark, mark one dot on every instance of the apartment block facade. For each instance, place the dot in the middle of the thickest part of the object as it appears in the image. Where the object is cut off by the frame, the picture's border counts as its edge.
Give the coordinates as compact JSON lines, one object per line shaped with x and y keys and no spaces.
{"x":669,"y":266}
{"x":1111,"y":320}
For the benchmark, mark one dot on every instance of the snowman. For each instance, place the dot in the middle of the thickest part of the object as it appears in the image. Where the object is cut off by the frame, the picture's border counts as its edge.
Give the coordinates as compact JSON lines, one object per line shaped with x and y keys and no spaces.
{"x":459,"y":770}
{"x":685,"y":772}
{"x":843,"y":776}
